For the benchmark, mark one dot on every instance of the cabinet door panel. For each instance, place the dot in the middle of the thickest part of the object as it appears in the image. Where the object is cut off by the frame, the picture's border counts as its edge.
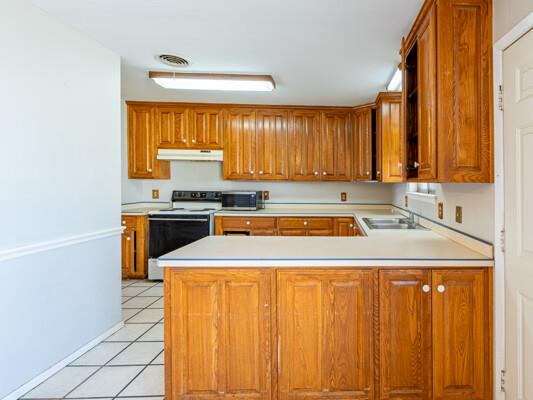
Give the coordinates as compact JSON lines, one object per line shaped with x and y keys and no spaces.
{"x":272,"y":143}
{"x":171,"y":126}
{"x":461,"y":340}
{"x":335,"y":147}
{"x":464,"y":54}
{"x":344,"y":227}
{"x":206,"y":128}
{"x":391,"y":139}
{"x":128,"y":253}
{"x":240,"y":145}
{"x":325,"y":333}
{"x":304,"y":158}
{"x":427,"y":98}
{"x":362,"y":144}
{"x":405,"y":334}
{"x":218,"y":334}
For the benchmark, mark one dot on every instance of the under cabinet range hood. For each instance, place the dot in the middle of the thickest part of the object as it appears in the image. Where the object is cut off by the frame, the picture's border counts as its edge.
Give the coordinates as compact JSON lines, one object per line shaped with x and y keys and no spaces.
{"x":189,"y":155}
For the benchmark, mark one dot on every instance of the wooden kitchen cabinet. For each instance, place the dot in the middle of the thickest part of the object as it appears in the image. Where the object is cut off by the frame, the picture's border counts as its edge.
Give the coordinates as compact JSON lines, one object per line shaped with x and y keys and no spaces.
{"x":362,"y":144}
{"x":240,"y":143}
{"x":171,"y":127}
{"x":248,"y":226}
{"x":346,"y":226}
{"x":391,"y":140}
{"x":206,"y":128}
{"x":134,"y":246}
{"x":448,"y":104}
{"x":304,"y":145}
{"x":325,"y":321}
{"x":462,"y":326}
{"x":336,"y":146}
{"x":272,"y":144}
{"x":405,"y":334}
{"x":219,"y":338}
{"x":142,"y":146}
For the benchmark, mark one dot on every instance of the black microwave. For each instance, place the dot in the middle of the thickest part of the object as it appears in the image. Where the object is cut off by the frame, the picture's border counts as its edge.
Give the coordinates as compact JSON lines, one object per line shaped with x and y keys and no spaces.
{"x":242,"y":200}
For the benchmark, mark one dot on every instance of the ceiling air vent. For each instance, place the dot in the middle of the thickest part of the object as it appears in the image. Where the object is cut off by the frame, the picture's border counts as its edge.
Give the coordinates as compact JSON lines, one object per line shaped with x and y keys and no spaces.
{"x":172,"y":60}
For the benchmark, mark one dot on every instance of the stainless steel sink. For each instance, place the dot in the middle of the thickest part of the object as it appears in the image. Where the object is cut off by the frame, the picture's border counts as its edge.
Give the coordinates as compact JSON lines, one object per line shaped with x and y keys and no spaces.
{"x":392,"y":223}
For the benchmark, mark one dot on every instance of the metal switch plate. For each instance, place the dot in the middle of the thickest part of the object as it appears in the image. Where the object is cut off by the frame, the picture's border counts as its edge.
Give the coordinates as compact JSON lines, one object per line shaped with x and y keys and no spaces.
{"x":441,"y":211}
{"x":406,"y":201}
{"x":266,"y":195}
{"x":155,"y":193}
{"x":459,"y":214}
{"x":343,"y":196}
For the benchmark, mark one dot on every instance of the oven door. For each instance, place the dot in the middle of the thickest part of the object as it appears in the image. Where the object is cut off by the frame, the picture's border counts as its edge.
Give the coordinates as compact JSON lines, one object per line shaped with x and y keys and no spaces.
{"x":170,"y":232}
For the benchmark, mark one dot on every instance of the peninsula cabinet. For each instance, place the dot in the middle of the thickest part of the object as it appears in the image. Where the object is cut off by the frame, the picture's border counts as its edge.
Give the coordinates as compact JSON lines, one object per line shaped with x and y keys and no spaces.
{"x":142,"y":146}
{"x":328,"y":333}
{"x":447,"y":72}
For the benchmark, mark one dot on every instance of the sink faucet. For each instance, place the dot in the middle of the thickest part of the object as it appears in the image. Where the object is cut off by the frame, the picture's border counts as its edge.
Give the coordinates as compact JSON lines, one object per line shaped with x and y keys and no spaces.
{"x":411,"y":218}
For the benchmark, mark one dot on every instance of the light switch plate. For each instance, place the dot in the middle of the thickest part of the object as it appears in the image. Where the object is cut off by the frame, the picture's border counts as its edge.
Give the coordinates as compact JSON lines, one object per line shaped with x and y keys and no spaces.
{"x":459,"y":214}
{"x":344,"y":197}
{"x":406,"y":201}
{"x":155,"y":193}
{"x":266,"y":195}
{"x":441,"y":211}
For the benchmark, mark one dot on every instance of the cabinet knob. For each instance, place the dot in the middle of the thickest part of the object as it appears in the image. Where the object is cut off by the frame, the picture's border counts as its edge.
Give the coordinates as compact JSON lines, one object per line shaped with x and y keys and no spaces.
{"x":324,"y":173}
{"x":426,"y":288}
{"x":128,"y":238}
{"x":252,"y":171}
{"x":149,"y":169}
{"x":368,"y":172}
{"x":416,"y":164}
{"x":351,"y":225}
{"x":441,"y":288}
{"x":306,"y":223}
{"x":316,"y":172}
{"x":194,"y":140}
{"x":123,"y":222}
{"x":184,"y":140}
{"x":260,"y":172}
{"x":248,"y":222}
{"x":378,"y":173}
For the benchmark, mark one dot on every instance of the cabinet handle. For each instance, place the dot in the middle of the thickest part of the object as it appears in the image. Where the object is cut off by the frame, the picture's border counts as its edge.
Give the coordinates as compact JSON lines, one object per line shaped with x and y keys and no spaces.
{"x":184,"y":140}
{"x":123,"y":222}
{"x":441,"y":288}
{"x":416,"y":164}
{"x":368,"y":172}
{"x":128,"y":238}
{"x":194,"y":140}
{"x":306,"y":223}
{"x":426,"y":288}
{"x":316,"y":172}
{"x":378,"y":173}
{"x":149,"y":169}
{"x":260,"y":172}
{"x":351,"y":225}
{"x":252,"y":171}
{"x":324,"y":173}
{"x":248,"y":222}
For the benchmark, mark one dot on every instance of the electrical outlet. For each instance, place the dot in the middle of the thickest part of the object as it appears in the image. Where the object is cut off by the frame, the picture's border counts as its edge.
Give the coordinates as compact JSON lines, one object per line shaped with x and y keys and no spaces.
{"x":343,"y":196}
{"x":266,"y":195}
{"x":459,"y":214}
{"x":155,"y":193}
{"x":441,"y":211}
{"x":406,"y":201}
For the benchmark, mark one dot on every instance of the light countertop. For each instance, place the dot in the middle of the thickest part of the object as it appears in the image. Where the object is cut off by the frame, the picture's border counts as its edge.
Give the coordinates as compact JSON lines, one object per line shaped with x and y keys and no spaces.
{"x":142,"y":208}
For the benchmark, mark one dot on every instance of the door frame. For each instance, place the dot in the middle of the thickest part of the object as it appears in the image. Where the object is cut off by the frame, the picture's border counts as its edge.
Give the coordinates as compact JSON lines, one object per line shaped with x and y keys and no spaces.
{"x":499,"y":47}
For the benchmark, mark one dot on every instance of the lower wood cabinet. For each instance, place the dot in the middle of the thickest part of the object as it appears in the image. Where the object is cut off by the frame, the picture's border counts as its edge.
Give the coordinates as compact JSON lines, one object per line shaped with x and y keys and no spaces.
{"x":325,"y":321}
{"x":218,"y":338}
{"x":134,"y":246}
{"x":338,"y":333}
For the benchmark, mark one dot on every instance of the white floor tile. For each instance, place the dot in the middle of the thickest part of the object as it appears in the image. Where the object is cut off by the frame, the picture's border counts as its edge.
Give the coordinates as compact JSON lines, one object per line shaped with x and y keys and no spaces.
{"x":125,"y":298}
{"x":149,"y":383}
{"x":100,"y":354}
{"x":107,"y":382}
{"x":156,"y":333}
{"x":160,"y":359}
{"x":129,"y":312}
{"x":134,"y":291}
{"x":139,"y":302}
{"x":138,"y":353}
{"x":144,"y":284}
{"x":158,"y":304}
{"x":148,"y":315}
{"x":129,"y":333}
{"x":153,"y":291}
{"x":61,"y":383}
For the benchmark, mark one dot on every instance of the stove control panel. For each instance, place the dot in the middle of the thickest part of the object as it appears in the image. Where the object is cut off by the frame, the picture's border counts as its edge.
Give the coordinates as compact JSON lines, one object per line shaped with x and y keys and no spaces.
{"x":187,"y":195}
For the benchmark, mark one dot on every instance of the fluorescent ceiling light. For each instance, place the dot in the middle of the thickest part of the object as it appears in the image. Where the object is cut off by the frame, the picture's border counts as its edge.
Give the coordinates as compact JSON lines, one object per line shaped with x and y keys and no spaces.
{"x":189,"y":81}
{"x":395,"y":83}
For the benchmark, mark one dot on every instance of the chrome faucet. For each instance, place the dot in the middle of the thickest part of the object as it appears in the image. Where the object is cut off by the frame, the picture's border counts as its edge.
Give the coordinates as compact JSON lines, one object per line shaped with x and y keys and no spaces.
{"x":411,"y":218}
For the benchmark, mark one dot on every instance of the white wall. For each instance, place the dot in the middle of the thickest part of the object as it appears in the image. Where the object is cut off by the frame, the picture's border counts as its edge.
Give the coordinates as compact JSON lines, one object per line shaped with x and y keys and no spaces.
{"x":60,"y":181}
{"x":477,"y":200}
{"x":507,"y":13}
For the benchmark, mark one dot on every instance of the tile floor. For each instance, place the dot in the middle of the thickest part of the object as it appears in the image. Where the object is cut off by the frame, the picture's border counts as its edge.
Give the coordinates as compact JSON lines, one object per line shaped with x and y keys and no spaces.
{"x":128,"y":364}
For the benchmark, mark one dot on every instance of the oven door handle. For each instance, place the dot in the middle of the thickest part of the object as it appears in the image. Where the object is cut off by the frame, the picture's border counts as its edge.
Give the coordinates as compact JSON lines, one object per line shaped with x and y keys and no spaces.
{"x":178,"y":219}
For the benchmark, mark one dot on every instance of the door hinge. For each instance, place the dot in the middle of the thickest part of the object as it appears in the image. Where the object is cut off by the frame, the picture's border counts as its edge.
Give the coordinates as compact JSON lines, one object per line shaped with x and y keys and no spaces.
{"x":502,"y":240}
{"x":502,"y":380}
{"x":500,"y":97}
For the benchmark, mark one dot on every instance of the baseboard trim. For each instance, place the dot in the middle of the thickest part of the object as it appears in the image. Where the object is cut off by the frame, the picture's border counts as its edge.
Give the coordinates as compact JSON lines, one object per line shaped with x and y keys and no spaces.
{"x":14,"y":395}
{"x":57,"y":243}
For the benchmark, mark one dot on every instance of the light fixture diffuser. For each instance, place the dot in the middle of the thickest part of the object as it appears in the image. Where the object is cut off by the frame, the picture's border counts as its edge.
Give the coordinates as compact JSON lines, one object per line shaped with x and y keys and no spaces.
{"x":230,"y":82}
{"x":395,"y":83}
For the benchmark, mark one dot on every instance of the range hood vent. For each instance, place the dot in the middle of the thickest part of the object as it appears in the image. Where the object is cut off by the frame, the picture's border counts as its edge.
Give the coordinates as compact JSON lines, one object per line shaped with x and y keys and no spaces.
{"x":189,"y":155}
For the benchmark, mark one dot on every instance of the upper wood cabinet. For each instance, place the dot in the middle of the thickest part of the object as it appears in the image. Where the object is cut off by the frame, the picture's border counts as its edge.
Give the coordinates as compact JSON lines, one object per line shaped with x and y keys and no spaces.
{"x":240,"y":143}
{"x":142,"y":147}
{"x":171,"y":127}
{"x":206,"y":128}
{"x":272,"y":144}
{"x":304,"y":158}
{"x":325,"y":321}
{"x":448,"y":104}
{"x":218,"y":337}
{"x":391,"y":140}
{"x":362,"y":144}
{"x":336,"y":146}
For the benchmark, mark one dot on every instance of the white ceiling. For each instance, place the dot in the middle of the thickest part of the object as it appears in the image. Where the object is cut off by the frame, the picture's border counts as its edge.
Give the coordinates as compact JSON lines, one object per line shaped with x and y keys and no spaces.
{"x":320,"y":52}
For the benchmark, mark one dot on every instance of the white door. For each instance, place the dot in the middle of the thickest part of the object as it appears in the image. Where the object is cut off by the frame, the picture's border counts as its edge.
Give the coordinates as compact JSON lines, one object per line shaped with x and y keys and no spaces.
{"x":518,"y":159}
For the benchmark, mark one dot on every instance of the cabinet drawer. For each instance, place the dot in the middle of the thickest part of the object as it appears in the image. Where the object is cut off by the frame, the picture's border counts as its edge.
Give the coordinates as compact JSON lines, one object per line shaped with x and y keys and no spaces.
{"x":305,"y":223}
{"x":249,"y":223}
